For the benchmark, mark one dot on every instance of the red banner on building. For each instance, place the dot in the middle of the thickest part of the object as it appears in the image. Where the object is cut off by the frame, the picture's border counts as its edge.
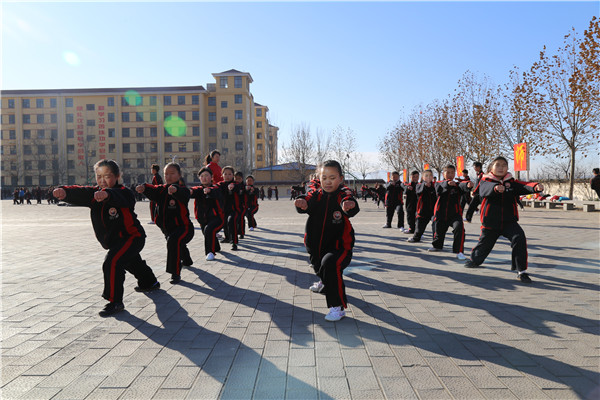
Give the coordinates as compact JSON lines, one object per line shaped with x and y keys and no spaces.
{"x":426,"y":166}
{"x":521,"y":157}
{"x":460,"y":164}
{"x":404,"y":176}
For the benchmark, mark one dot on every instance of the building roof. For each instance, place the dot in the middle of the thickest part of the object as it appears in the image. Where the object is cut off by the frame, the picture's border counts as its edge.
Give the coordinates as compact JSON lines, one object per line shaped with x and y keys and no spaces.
{"x":287,"y":167}
{"x":59,"y":92}
{"x":234,"y":72}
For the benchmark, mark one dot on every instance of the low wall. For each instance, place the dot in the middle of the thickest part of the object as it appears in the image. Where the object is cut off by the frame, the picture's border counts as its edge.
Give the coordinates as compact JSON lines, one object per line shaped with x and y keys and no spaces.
{"x":581,"y":190}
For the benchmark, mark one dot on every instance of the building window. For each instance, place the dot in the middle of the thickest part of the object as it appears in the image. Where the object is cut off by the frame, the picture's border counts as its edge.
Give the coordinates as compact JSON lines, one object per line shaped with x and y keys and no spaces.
{"x":168,"y":147}
{"x":69,"y":117}
{"x":167,"y":114}
{"x":26,"y":118}
{"x":212,"y":132}
{"x":11,"y":119}
{"x":71,"y":149}
{"x":259,"y":146}
{"x":11,"y":103}
{"x":153,"y":116}
{"x":196,"y":147}
{"x":181,"y":114}
{"x":39,"y":103}
{"x":110,"y":101}
{"x":43,"y":178}
{"x":259,"y":135}
{"x":259,"y":112}
{"x":139,"y":116}
{"x":91,"y":122}
{"x":259,"y":124}
{"x":70,"y":164}
{"x":182,"y":147}
{"x":259,"y":158}
{"x":124,"y":101}
{"x":223,"y":104}
{"x":125,"y":117}
{"x":224,"y":135}
{"x":237,"y":82}
{"x":212,"y":116}
{"x":41,"y":149}
{"x":40,"y":118}
{"x":167,"y":100}
{"x":41,"y":134}
{"x":111,"y":117}
{"x":27,"y":134}
{"x":153,"y":147}
{"x":139,"y":147}
{"x":25,"y":103}
{"x":239,"y":130}
{"x":239,"y":114}
{"x":195,"y":131}
{"x":12,"y":134}
{"x":126,"y":148}
{"x":111,"y":132}
{"x":28,"y":164}
{"x":54,"y":134}
{"x":90,"y":107}
{"x":13,"y":150}
{"x":223,"y":82}
{"x":54,"y":118}
{"x":52,"y":103}
{"x":111,"y":148}
{"x":239,"y":146}
{"x":55,"y":151}
{"x":153,"y":131}
{"x":212,"y":146}
{"x":195,"y":99}
{"x":224,"y":120}
{"x":125,"y":132}
{"x":69,"y":102}
{"x":140,"y":163}
{"x":70,"y":133}
{"x":225,"y":150}
{"x":152,"y":100}
{"x":180,"y":100}
{"x":212,"y":101}
{"x":139,"y":132}
{"x":238,"y":99}
{"x":195,"y":115}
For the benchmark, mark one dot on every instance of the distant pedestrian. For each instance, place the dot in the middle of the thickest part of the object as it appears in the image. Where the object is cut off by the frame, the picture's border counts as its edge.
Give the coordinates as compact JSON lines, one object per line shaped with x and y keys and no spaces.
{"x":595,"y":181}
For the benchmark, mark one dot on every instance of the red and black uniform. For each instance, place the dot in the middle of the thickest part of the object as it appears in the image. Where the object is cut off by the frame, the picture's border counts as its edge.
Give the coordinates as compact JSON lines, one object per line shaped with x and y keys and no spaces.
{"x":118,"y":230}
{"x":208,"y":210}
{"x":466,"y":197}
{"x":393,"y":203}
{"x":329,"y":239}
{"x":410,"y":204}
{"x":475,"y":199}
{"x":241,"y":217}
{"x":447,"y":213}
{"x":251,"y":205}
{"x":173,"y":219}
{"x":313,"y":184}
{"x":232,"y":208}
{"x":156,"y":180}
{"x":500,"y":216}
{"x":425,"y":205}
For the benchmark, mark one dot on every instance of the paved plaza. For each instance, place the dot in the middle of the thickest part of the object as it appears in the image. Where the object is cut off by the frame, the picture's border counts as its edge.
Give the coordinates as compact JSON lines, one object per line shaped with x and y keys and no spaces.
{"x":419,"y":325}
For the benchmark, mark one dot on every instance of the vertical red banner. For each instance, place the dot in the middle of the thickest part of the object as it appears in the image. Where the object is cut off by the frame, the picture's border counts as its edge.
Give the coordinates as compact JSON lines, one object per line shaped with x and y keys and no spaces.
{"x":426,"y":166}
{"x":388,"y":177}
{"x":404,"y":176}
{"x":460,"y":164}
{"x":521,"y":157}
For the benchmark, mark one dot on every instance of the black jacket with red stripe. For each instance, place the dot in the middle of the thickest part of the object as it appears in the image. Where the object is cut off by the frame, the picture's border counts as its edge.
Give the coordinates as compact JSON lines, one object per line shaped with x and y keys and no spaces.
{"x":447,"y":205}
{"x":313,"y":184}
{"x":426,"y":198}
{"x":393,"y":194}
{"x":208,"y":206}
{"x":113,"y":219}
{"x":171,"y":211}
{"x":157,"y":179}
{"x":499,"y":209}
{"x":477,"y":182}
{"x":251,"y":197}
{"x":328,"y":227}
{"x":411,"y":194}
{"x":232,"y":199}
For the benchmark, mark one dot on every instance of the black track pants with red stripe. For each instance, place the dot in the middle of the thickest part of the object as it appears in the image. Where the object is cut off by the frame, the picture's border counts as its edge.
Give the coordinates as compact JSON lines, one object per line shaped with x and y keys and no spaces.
{"x":411,"y":214}
{"x":420,"y":226}
{"x":177,"y":251}
{"x":389,"y":214}
{"x":514,"y":233}
{"x":125,"y":256}
{"x":211,"y":243}
{"x":475,"y":201}
{"x":242,"y":223}
{"x":458,"y":229}
{"x":331,"y":271}
{"x":250,"y":216}
{"x":232,"y":230}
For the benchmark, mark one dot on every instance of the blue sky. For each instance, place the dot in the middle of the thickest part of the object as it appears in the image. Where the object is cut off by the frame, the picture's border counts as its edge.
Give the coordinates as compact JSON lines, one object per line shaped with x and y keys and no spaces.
{"x":354,"y":64}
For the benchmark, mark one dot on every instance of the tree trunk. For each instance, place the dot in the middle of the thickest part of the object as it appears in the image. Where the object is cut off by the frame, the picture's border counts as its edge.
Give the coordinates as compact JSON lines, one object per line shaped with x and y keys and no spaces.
{"x":572,"y":174}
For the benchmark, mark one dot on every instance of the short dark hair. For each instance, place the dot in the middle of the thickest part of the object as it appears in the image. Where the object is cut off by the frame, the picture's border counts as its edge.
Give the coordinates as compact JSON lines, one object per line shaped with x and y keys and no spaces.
{"x":229,"y":167}
{"x":174,"y":165}
{"x":477,"y":164}
{"x":334,"y":164}
{"x":205,"y":169}
{"x":465,"y":170}
{"x":211,"y":155}
{"x":250,"y":177}
{"x":395,"y":173}
{"x":111,"y":164}
{"x":449,"y":166}
{"x":155,"y":167}
{"x":239,"y":173}
{"x":414,"y":173}
{"x":596,"y":170}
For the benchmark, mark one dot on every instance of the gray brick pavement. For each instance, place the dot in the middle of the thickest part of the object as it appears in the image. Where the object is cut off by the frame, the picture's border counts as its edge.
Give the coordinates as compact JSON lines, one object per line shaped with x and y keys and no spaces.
{"x":419,"y":324}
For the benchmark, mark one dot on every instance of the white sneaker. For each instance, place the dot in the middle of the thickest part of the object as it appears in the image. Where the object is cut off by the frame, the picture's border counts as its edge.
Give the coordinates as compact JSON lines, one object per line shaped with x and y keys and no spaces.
{"x":461,"y":256}
{"x":251,"y":229}
{"x":317,"y":287}
{"x":432,"y":249}
{"x":335,"y":314}
{"x":210,"y":257}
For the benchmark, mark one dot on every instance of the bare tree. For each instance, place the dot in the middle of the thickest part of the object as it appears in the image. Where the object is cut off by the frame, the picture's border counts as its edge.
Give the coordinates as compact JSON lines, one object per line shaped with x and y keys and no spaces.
{"x":300,"y":151}
{"x":343,"y":146}
{"x":362,"y":165}
{"x":322,"y":146}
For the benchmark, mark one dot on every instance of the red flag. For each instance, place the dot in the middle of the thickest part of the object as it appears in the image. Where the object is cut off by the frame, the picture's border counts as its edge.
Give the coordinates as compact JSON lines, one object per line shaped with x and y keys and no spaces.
{"x":426,"y":166}
{"x":460,"y":164}
{"x":521,"y":157}
{"x":404,"y":177}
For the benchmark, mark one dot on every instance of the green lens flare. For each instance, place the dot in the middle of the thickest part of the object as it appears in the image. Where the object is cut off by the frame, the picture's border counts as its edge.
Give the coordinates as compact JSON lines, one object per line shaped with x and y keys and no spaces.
{"x":133,"y":98}
{"x":175,"y":126}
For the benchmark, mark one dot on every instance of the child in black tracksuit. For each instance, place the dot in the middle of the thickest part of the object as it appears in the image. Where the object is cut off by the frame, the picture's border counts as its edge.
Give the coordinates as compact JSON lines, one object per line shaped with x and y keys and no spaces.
{"x":251,"y":202}
{"x":426,"y":199}
{"x":394,"y":201}
{"x":411,"y":201}
{"x":208,"y":209}
{"x":475,"y":198}
{"x":172,"y":217}
{"x":499,"y":216}
{"x":229,"y":190}
{"x":447,"y":212}
{"x":329,"y":237}
{"x":156,"y":180}
{"x":117,"y":229}
{"x":240,"y":201}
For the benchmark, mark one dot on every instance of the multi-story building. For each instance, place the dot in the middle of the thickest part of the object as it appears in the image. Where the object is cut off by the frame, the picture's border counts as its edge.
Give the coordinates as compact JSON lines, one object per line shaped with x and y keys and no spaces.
{"x":52,"y":137}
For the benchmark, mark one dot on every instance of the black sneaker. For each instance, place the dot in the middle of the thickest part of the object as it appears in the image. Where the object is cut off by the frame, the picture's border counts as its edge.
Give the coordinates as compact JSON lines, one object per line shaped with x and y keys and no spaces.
{"x":413,"y":240}
{"x":524,"y":277}
{"x":175,"y":279}
{"x":234,"y":247}
{"x":386,"y":226}
{"x":225,"y":240}
{"x":110,"y":309}
{"x":241,"y":236}
{"x":470,"y":264}
{"x":155,"y":286}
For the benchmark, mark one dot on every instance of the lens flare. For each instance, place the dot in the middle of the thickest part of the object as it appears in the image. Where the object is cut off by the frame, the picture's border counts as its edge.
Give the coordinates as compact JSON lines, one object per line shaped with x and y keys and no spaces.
{"x":175,"y":126}
{"x":71,"y":58}
{"x":133,"y":98}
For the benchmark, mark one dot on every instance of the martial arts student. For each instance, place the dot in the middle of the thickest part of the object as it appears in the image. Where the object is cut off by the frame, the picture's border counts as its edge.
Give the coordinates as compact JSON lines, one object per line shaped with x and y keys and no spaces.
{"x":411,"y":201}
{"x":425,"y":205}
{"x":394,"y":201}
{"x":208,"y":210}
{"x":251,"y":202}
